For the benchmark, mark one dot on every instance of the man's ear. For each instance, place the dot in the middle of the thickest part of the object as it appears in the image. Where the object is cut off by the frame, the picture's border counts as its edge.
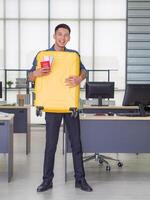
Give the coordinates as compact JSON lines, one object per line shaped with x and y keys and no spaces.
{"x":54,"y":36}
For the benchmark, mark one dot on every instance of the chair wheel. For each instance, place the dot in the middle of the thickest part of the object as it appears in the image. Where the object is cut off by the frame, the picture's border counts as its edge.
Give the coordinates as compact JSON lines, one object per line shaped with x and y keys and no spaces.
{"x":100,"y":161}
{"x":108,"y":168}
{"x":120,"y":164}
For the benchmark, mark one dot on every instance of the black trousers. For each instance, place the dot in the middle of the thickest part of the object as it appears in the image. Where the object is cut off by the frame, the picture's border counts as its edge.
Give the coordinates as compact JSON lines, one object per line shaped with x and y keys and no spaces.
{"x":53,"y":122}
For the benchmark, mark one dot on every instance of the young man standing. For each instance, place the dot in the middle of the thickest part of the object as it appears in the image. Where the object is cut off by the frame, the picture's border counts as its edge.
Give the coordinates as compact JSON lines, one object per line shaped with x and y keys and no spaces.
{"x":53,"y":120}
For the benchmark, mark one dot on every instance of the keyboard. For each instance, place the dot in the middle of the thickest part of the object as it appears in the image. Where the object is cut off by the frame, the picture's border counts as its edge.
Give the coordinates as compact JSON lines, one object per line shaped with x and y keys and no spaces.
{"x":132,"y":114}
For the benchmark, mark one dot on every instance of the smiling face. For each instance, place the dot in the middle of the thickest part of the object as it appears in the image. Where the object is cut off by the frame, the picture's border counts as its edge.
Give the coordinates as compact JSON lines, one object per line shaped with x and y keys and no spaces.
{"x":61,"y":37}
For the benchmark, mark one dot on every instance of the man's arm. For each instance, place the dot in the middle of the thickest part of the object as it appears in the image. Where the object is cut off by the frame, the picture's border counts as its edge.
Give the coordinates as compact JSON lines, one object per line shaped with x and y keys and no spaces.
{"x":83,"y":75}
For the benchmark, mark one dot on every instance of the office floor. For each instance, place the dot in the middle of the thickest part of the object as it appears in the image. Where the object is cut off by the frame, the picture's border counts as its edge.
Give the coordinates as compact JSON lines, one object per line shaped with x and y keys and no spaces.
{"x":128,"y":183}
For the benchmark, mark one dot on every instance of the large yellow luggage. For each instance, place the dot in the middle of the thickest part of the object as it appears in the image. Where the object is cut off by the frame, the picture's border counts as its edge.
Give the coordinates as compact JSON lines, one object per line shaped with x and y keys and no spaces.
{"x":51,"y":92}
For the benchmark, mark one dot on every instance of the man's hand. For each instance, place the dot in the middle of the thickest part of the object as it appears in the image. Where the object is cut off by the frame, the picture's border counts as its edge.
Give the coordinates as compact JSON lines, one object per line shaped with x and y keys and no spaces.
{"x":39,"y":72}
{"x":73,"y":81}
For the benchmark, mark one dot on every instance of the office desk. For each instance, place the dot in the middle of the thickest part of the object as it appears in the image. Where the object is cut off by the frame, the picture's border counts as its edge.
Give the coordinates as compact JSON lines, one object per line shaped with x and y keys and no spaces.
{"x":113,"y":134}
{"x":6,"y":140}
{"x":21,"y":121}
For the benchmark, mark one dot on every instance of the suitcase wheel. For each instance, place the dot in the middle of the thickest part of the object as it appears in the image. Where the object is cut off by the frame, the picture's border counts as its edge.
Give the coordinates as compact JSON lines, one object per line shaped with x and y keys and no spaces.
{"x":74,"y":112}
{"x":39,"y":111}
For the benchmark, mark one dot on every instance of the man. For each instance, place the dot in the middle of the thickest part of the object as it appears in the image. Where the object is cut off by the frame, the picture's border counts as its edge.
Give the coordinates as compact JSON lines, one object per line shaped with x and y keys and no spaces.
{"x":53,"y":120}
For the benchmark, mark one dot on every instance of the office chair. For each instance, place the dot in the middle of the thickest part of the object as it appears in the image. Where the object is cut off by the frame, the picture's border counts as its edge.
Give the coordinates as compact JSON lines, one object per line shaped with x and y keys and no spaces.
{"x":100,"y":90}
{"x":96,"y":156}
{"x":102,"y":159}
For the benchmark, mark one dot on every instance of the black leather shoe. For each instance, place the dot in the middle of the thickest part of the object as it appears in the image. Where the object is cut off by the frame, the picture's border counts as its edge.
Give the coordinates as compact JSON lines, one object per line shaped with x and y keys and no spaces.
{"x":83,"y":185}
{"x":44,"y":186}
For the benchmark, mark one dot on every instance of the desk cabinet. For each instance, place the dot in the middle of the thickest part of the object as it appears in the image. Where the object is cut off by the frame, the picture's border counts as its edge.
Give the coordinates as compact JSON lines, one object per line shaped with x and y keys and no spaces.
{"x":6,"y":141}
{"x":4,"y":136}
{"x":21,"y":121}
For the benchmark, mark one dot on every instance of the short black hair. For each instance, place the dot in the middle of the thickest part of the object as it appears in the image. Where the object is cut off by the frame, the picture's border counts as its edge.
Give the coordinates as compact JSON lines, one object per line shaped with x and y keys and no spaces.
{"x":62,"y":26}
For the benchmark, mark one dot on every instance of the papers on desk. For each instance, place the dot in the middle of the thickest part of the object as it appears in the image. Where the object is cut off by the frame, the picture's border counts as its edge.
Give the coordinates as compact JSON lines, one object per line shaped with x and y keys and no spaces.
{"x":3,"y":114}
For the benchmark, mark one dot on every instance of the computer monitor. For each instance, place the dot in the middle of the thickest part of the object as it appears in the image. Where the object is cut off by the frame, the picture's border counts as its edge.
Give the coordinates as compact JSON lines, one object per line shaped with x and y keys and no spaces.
{"x":137,"y":95}
{"x":1,"y":89}
{"x":99,"y":90}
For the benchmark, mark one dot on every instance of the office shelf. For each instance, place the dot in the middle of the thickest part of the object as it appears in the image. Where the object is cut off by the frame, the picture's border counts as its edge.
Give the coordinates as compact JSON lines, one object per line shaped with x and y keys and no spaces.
{"x":26,"y":88}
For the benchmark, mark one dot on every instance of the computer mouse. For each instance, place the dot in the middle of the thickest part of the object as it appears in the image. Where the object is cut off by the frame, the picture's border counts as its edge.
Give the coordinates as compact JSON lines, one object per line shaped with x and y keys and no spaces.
{"x":110,"y":114}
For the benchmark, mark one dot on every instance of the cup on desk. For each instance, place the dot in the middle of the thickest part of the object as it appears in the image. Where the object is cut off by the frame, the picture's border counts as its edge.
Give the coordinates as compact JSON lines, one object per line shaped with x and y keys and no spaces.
{"x":21,"y":99}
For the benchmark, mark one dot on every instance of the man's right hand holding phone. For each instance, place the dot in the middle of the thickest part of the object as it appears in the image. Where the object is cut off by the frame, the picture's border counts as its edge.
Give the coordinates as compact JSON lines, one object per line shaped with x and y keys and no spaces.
{"x":43,"y":71}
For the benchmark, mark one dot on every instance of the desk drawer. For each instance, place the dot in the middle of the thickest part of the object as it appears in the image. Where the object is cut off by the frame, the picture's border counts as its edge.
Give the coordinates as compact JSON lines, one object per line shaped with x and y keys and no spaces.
{"x":4,"y":136}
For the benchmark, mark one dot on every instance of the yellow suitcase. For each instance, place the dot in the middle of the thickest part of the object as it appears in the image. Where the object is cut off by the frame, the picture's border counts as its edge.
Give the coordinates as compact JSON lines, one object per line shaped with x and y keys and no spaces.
{"x":51,"y":92}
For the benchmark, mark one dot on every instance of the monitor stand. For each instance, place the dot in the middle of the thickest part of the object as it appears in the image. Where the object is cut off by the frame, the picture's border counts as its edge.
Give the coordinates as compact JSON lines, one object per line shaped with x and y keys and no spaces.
{"x":142,"y":110}
{"x":99,"y":101}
